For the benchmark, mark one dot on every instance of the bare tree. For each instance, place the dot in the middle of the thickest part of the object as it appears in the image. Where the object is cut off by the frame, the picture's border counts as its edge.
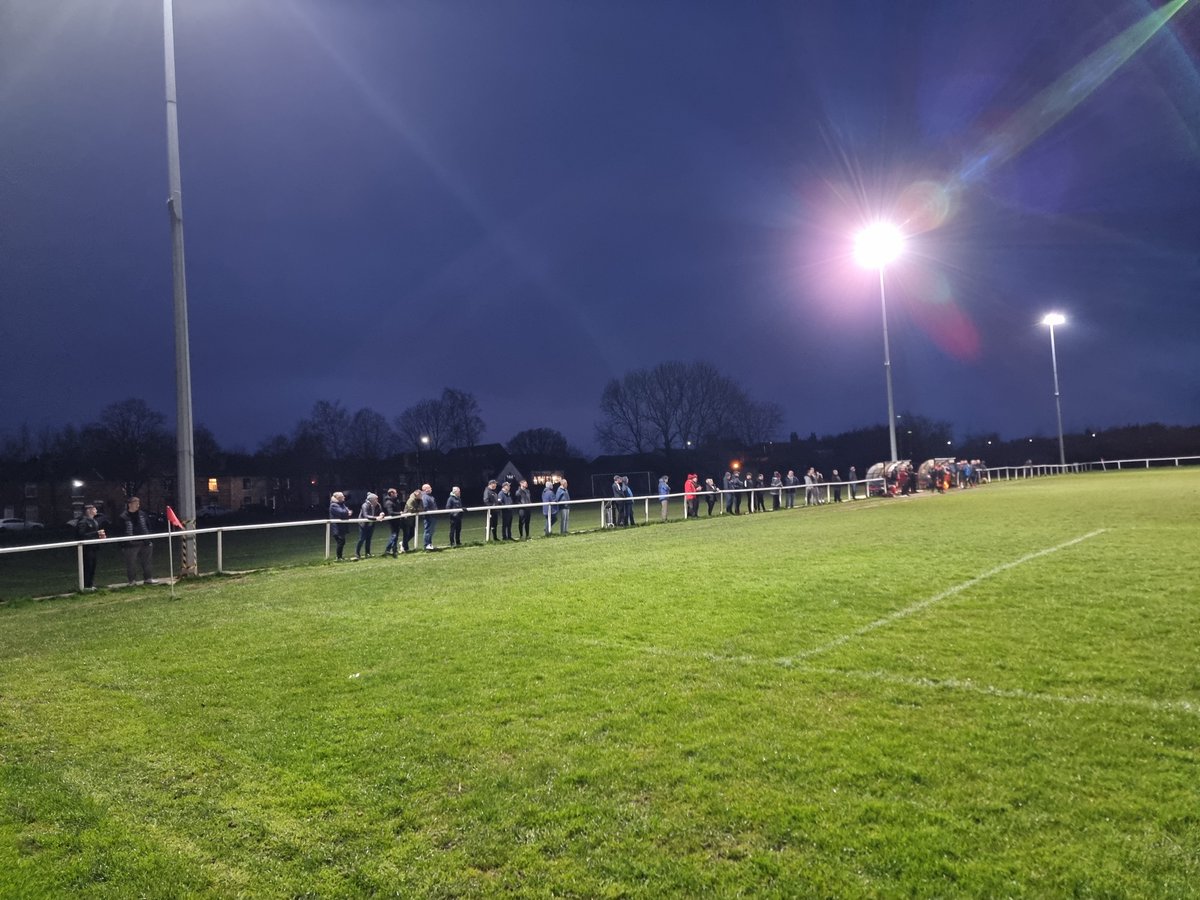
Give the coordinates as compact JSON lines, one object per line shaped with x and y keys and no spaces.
{"x":448,"y":421}
{"x":668,"y":406}
{"x":371,"y":437}
{"x":758,"y":422}
{"x":540,"y":442}
{"x":130,"y":441}
{"x":327,"y":427}
{"x":462,"y":412}
{"x":424,"y":419}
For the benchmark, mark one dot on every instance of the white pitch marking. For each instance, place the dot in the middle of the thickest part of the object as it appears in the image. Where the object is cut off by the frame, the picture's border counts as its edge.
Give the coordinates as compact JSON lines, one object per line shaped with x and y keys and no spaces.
{"x":937,"y":598}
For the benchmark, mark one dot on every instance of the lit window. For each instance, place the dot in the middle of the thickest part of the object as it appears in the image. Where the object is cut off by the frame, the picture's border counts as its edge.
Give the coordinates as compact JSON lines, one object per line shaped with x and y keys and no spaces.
{"x":212,"y":485}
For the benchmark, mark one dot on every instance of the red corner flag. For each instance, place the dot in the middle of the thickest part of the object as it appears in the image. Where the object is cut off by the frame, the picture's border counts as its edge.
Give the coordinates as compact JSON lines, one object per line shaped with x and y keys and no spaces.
{"x":174,"y":519}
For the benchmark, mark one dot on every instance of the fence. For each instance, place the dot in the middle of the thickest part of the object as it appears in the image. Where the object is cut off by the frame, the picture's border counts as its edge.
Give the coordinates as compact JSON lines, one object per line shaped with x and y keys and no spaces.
{"x":295,"y":543}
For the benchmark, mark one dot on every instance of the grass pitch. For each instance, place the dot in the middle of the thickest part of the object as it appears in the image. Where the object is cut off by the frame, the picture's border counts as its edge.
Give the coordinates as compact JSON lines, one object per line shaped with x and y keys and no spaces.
{"x":992,"y":692}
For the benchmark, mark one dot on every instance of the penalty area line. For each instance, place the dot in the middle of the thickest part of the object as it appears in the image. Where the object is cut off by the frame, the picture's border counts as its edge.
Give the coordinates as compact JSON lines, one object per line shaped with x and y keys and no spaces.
{"x":936,"y":598}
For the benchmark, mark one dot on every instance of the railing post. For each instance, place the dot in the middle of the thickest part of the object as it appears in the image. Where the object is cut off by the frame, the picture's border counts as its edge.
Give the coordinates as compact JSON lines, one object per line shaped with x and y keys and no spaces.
{"x":79,"y":560}
{"x":487,"y":525}
{"x":327,"y":540}
{"x":220,"y":553}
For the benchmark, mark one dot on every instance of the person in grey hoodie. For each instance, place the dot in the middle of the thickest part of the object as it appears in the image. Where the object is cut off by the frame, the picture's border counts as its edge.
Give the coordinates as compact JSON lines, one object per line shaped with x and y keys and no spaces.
{"x":370,"y":513}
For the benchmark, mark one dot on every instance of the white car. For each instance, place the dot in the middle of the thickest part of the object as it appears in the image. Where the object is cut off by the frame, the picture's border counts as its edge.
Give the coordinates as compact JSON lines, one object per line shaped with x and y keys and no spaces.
{"x":20,"y":525}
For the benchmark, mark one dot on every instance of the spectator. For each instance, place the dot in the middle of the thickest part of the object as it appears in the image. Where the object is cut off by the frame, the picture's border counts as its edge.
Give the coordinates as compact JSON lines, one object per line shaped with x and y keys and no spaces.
{"x":618,"y":492}
{"x":853,"y":477}
{"x":776,"y":490}
{"x":523,"y":498}
{"x":454,"y":502}
{"x":790,"y":494}
{"x":727,"y":487}
{"x":664,"y":491}
{"x":370,"y":513}
{"x":548,"y":509}
{"x":87,"y":528}
{"x":810,"y":487}
{"x":760,"y":491}
{"x":629,"y":520}
{"x":393,"y":507}
{"x":412,"y":509}
{"x":561,"y":498}
{"x":711,"y":494}
{"x":134,"y":522}
{"x":491,"y":497}
{"x":691,"y":500}
{"x":504,"y":500}
{"x":340,"y":513}
{"x":428,"y":506}
{"x":837,"y":487}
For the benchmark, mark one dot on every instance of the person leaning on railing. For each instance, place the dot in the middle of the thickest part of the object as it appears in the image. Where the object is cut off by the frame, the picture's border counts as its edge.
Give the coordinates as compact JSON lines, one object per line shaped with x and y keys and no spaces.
{"x":341,"y":512}
{"x":88,"y":529}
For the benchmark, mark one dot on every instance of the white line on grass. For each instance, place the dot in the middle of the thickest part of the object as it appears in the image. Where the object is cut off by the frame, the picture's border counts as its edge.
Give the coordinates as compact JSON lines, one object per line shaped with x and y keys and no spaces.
{"x":950,"y":684}
{"x":937,"y":598}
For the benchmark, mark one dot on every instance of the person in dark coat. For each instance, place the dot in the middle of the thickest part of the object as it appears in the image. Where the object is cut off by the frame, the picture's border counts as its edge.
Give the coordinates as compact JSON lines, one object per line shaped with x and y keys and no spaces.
{"x":491,"y":497}
{"x":504,"y":500}
{"x":134,"y":522}
{"x":393,"y":506}
{"x":340,"y":513}
{"x":87,"y":528}
{"x":523,"y":497}
{"x":371,"y":513}
{"x":454,"y":502}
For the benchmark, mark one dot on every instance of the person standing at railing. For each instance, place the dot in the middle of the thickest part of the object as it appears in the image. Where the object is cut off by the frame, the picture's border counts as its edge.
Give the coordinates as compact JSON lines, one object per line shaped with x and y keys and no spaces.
{"x":664,"y":490}
{"x":523,"y":514}
{"x":134,"y":522}
{"x":454,"y":502}
{"x":727,"y":488}
{"x":428,"y":505}
{"x":491,"y":497}
{"x":711,"y":494}
{"x":87,"y":528}
{"x":810,"y":487}
{"x":408,"y":529}
{"x":852,"y":475}
{"x":628,"y":492}
{"x":370,"y":513}
{"x":760,"y":494}
{"x":393,"y":506}
{"x":618,"y":492}
{"x":776,"y":490}
{"x":690,"y":498}
{"x":548,"y":506}
{"x":340,"y":512}
{"x":790,"y":493}
{"x":504,"y":500}
{"x":561,"y":497}
{"x":837,"y":487}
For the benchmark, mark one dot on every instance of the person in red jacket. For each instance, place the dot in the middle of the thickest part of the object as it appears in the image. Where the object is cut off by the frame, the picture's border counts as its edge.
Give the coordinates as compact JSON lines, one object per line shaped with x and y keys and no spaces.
{"x":689,"y":496}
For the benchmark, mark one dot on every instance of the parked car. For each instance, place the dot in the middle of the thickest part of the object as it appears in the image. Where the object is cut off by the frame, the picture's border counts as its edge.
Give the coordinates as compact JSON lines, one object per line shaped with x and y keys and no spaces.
{"x":20,"y":525}
{"x":213,"y":511}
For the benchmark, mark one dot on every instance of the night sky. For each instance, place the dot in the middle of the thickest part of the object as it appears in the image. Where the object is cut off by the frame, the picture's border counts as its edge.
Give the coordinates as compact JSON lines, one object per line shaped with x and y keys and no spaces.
{"x":525,"y":199}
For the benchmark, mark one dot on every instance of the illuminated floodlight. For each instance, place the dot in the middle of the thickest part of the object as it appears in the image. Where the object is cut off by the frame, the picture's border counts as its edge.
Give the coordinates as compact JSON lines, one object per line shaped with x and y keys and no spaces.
{"x":877,"y":245}
{"x":1053,"y":319}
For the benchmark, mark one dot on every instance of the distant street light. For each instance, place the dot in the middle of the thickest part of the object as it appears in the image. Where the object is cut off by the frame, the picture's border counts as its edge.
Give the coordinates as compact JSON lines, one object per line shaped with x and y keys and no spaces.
{"x":1053,"y":319}
{"x":874,"y":247}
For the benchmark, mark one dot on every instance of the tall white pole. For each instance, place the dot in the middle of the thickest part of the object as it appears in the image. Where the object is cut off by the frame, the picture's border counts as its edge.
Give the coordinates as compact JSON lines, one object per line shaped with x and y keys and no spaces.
{"x":887,"y":369}
{"x":185,"y":481}
{"x":1062,"y":453}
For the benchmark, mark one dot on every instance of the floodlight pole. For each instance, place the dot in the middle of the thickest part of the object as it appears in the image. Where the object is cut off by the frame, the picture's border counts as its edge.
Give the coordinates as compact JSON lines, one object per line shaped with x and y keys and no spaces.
{"x":1062,"y":453}
{"x":185,"y":457}
{"x":887,"y":369}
